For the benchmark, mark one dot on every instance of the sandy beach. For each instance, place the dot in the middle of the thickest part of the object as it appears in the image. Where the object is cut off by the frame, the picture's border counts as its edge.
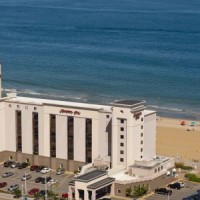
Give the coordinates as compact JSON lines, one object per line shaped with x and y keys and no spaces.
{"x":173,"y":139}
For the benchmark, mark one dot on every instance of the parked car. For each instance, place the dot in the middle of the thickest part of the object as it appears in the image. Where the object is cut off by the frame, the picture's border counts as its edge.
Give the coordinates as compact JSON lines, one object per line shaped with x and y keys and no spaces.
{"x":26,"y":177}
{"x":174,"y":186}
{"x":40,"y":168}
{"x":45,"y":170}
{"x":7,"y":163}
{"x":39,"y":179}
{"x":3,"y":184}
{"x":22,"y":165}
{"x":52,"y":182}
{"x":13,"y":187}
{"x":34,"y":167}
{"x":46,"y":180}
{"x":7,"y":174}
{"x":14,"y":164}
{"x":42,"y":192}
{"x":181,"y":184}
{"x":60,"y":171}
{"x":33,"y":191}
{"x":163,"y":191}
{"x":17,"y":196}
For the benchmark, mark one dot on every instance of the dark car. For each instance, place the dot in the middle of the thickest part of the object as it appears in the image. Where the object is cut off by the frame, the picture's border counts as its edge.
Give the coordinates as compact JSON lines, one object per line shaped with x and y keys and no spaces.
{"x":34,"y":167}
{"x":17,"y":196}
{"x":40,"y":168}
{"x":3,"y":184}
{"x":174,"y":186}
{"x":45,"y":180}
{"x":22,"y":165}
{"x":39,"y":179}
{"x":43,"y":192}
{"x":8,"y":163}
{"x":163,"y":191}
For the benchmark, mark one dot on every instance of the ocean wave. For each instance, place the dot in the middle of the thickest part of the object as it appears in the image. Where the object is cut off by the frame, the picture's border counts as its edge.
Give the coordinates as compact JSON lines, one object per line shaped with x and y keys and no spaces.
{"x":166,"y":108}
{"x":45,"y":95}
{"x":173,"y":109}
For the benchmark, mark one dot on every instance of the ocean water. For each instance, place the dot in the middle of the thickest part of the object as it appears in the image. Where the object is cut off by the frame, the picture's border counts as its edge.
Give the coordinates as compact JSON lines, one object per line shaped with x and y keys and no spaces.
{"x":98,"y":51}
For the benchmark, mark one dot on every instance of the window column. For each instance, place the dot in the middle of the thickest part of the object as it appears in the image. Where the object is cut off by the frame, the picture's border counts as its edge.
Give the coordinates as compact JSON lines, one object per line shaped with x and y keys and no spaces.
{"x":18,"y":117}
{"x":70,"y":142}
{"x":52,"y":136}
{"x":88,"y":143}
{"x":35,"y":133}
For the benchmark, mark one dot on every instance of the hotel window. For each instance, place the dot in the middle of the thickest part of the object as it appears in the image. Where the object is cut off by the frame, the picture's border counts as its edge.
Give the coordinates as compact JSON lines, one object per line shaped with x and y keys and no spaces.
{"x":141,"y":149}
{"x":155,"y":170}
{"x":142,"y":119}
{"x":88,"y":143}
{"x":141,"y":134}
{"x":161,"y":167}
{"x":70,"y":142}
{"x":141,"y":126}
{"x":18,"y":117}
{"x":35,"y":133}
{"x":121,"y":144}
{"x":141,"y":141}
{"x":121,"y":152}
{"x":121,"y":136}
{"x":121,"y":160}
{"x":52,"y":136}
{"x":122,"y":121}
{"x":119,"y":191}
{"x":122,"y":129}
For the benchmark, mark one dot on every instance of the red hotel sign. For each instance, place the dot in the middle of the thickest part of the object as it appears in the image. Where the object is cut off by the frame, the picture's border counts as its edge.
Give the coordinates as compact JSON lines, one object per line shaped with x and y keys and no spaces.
{"x":70,"y":112}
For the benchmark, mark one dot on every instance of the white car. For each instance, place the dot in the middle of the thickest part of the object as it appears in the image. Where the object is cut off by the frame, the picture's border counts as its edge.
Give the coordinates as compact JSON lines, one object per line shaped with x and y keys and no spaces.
{"x":26,"y":177}
{"x":52,"y":182}
{"x":181,"y":184}
{"x":45,"y":170}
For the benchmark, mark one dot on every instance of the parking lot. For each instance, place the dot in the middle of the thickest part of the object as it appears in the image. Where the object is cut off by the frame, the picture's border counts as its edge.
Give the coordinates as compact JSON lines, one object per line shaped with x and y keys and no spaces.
{"x":60,"y":187}
{"x":189,"y":189}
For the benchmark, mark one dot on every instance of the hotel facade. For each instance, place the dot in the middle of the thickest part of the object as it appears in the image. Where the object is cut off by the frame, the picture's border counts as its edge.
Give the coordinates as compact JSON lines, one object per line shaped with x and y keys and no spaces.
{"x":120,"y":137}
{"x":72,"y":134}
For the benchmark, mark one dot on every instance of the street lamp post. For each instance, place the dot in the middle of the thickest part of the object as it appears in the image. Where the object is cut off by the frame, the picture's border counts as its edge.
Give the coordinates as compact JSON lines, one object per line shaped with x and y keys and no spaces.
{"x":45,"y":187}
{"x":25,"y":186}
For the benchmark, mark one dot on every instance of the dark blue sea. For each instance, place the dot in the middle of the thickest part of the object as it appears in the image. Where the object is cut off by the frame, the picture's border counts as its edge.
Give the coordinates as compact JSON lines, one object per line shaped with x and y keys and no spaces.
{"x":98,"y":51}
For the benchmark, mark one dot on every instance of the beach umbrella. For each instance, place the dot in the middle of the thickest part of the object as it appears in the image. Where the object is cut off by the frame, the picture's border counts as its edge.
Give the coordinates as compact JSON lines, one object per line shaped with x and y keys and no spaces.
{"x":192,"y":123}
{"x":183,"y":122}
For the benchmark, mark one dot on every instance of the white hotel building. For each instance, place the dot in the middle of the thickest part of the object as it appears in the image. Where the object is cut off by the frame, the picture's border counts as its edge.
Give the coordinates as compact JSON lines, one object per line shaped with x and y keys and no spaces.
{"x":52,"y":133}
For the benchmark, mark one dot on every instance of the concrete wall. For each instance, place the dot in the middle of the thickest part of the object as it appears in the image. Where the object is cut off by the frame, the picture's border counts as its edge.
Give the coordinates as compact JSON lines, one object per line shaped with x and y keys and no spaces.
{"x":61,"y":137}
{"x":132,"y":132}
{"x":2,"y":126}
{"x":149,"y":136}
{"x":53,"y":163}
{"x":162,"y":181}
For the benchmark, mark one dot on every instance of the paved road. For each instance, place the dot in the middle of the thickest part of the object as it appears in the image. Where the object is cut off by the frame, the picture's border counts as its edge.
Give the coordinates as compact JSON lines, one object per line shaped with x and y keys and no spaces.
{"x":189,"y":189}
